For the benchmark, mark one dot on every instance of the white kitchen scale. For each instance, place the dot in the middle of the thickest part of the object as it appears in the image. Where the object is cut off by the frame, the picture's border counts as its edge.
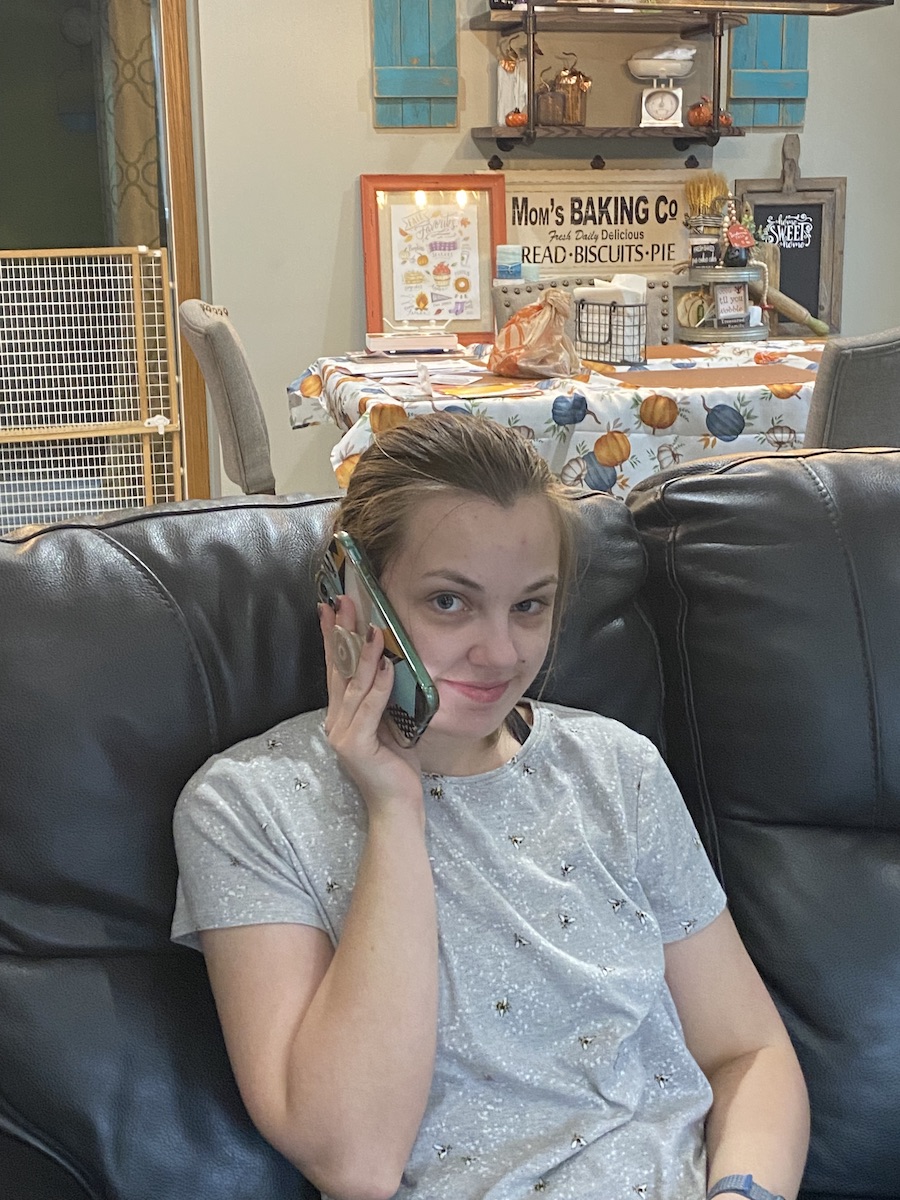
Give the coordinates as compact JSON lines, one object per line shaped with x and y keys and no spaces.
{"x":662,"y":101}
{"x":662,"y":105}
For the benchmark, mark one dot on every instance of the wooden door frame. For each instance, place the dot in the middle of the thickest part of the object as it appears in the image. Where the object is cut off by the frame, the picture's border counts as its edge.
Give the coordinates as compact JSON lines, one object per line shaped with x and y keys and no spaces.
{"x":174,"y":79}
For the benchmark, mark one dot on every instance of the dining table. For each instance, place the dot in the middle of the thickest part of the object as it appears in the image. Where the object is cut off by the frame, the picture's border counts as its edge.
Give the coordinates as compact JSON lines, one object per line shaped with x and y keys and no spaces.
{"x":606,"y":428}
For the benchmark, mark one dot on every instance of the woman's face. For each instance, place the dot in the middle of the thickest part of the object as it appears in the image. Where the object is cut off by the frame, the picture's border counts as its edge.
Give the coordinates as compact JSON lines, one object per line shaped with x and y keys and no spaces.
{"x":474,"y":585}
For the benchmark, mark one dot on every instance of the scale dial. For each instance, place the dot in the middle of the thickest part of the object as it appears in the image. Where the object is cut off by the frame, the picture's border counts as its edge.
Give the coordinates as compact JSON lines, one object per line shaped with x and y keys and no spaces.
{"x":661,"y":106}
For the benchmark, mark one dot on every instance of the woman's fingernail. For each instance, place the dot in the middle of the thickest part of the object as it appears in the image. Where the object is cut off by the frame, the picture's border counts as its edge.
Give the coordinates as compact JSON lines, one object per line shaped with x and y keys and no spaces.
{"x":382,"y":663}
{"x":370,"y":634}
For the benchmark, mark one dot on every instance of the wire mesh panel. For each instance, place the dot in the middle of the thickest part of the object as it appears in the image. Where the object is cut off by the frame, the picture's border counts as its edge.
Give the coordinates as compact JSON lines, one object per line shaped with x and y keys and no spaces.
{"x":88,"y":411}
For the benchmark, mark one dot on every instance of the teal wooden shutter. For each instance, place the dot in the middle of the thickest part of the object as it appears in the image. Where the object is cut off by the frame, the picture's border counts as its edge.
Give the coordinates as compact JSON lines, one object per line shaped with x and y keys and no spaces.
{"x":416,"y":78}
{"x":769,"y":80}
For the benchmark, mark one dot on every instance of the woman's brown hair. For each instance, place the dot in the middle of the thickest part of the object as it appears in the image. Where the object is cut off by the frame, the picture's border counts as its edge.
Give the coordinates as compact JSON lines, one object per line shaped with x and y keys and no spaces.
{"x":449,"y":452}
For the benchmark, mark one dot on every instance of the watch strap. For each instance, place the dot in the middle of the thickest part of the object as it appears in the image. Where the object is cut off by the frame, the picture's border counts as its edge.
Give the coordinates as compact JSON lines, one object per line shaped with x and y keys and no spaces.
{"x":742,"y":1185}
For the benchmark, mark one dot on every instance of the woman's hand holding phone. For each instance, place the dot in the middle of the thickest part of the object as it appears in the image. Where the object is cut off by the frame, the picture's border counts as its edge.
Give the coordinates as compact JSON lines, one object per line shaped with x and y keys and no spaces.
{"x":386,"y":775}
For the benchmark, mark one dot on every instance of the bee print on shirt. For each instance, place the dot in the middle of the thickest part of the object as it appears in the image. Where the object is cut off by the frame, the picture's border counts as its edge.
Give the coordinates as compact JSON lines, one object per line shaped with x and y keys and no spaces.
{"x":578,"y":1141}
{"x":565,"y":920}
{"x":234,"y":861}
{"x":662,"y":1080}
{"x":441,"y":1151}
{"x":566,"y":869}
{"x":516,"y":840}
{"x":586,"y":1039}
{"x":437,"y":792}
{"x":520,"y":941}
{"x":300,"y":784}
{"x":273,"y":743}
{"x":641,"y":916}
{"x":640,"y":1188}
{"x":468,"y":1159}
{"x":615,"y":905}
{"x":541,"y":1185}
{"x":687,"y":926}
{"x":526,"y":770}
{"x":331,"y":885}
{"x":502,"y":1006}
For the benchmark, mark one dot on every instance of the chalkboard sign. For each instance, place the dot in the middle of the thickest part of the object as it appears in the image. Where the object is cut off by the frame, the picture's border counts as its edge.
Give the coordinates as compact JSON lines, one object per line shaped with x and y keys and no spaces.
{"x":797,"y":230}
{"x":805,"y":219}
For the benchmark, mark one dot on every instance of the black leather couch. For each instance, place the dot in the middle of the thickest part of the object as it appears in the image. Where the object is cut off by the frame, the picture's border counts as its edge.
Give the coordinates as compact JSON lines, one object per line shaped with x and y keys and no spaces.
{"x":134,"y":646}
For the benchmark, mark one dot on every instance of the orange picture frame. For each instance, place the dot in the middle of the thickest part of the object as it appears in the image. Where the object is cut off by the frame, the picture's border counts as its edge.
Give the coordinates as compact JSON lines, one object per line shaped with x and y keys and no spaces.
{"x":438,"y":266}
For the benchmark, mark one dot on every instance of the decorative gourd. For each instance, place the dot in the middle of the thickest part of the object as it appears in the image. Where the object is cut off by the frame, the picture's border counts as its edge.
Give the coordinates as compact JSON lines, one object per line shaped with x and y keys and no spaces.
{"x":700,"y":114}
{"x":516,"y":118}
{"x":658,"y":411}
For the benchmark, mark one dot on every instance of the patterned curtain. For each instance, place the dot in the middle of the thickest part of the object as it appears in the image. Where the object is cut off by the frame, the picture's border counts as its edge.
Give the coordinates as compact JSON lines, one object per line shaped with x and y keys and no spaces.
{"x":126,"y":121}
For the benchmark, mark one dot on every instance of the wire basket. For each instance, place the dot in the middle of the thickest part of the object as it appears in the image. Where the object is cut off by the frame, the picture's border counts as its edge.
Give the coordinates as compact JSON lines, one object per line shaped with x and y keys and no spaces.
{"x":611,"y":332}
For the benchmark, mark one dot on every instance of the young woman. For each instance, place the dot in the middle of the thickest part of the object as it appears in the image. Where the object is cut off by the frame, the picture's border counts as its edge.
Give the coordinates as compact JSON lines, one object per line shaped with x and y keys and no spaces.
{"x":497,"y":964}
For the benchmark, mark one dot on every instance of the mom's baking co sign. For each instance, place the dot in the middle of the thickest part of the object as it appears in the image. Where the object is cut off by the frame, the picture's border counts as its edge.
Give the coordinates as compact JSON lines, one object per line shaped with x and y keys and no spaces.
{"x":603,"y":221}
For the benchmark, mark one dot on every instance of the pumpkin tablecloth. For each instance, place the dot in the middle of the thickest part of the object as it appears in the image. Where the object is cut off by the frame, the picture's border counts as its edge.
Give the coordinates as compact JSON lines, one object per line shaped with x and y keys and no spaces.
{"x":607,"y":429}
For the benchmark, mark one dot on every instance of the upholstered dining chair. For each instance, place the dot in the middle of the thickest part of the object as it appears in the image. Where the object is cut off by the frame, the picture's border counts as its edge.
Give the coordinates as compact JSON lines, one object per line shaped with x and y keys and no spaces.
{"x":856,"y":400}
{"x":235,"y":400}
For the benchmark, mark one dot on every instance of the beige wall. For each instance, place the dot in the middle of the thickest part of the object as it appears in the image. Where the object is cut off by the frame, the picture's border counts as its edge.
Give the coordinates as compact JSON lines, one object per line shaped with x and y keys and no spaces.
{"x":284,"y":87}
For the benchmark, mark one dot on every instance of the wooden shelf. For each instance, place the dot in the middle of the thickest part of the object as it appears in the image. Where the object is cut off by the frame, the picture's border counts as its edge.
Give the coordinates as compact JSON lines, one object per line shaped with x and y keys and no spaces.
{"x":689,"y":23}
{"x":685,"y":132}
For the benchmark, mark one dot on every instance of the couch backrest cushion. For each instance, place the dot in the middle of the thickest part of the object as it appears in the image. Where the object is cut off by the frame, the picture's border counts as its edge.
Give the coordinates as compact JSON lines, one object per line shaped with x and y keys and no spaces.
{"x":133,"y":647}
{"x":775,"y":585}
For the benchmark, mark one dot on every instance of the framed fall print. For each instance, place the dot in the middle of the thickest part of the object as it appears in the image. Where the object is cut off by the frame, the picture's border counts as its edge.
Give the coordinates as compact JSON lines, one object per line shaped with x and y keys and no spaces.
{"x":429,"y":246}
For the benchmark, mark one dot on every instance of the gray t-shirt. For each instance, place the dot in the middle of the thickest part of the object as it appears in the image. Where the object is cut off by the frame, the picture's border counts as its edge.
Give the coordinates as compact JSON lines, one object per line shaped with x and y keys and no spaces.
{"x":561,"y":1065}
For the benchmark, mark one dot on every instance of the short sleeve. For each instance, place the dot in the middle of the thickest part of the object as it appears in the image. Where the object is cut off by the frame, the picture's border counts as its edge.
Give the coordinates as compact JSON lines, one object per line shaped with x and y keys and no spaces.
{"x":235,"y":867}
{"x":673,"y":868}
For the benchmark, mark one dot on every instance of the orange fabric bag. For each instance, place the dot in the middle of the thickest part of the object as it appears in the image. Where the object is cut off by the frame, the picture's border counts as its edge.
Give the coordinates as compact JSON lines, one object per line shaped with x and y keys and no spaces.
{"x":534,"y":344}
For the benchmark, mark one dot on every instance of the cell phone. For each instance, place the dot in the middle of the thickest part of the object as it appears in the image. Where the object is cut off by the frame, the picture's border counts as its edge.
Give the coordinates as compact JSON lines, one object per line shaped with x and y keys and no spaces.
{"x":346,"y":571}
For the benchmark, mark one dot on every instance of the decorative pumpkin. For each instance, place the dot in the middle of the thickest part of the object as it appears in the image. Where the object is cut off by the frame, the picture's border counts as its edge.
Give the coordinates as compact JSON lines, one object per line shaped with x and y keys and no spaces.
{"x":573,"y":472}
{"x":386,"y":416}
{"x":667,"y":456}
{"x":767,"y":356}
{"x":311,"y":386}
{"x":516,"y":118}
{"x":658,"y":411}
{"x":569,"y":410}
{"x":612,"y":448}
{"x":784,"y":391}
{"x":345,"y":469}
{"x":700,"y":114}
{"x":780,"y":436}
{"x":724,"y":422}
{"x":726,"y":119}
{"x":597,"y":476}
